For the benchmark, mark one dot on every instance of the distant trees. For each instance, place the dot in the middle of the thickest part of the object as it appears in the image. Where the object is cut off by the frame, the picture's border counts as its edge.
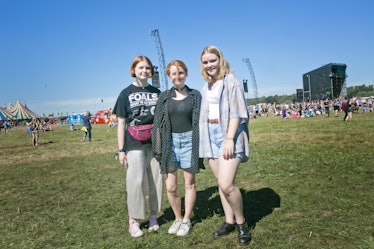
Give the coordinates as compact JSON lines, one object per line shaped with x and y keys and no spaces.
{"x":272,"y":99}
{"x":360,"y":91}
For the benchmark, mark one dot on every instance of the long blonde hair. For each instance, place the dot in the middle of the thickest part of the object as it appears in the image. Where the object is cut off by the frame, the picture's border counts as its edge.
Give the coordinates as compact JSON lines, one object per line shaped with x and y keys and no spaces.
{"x":223,"y":64}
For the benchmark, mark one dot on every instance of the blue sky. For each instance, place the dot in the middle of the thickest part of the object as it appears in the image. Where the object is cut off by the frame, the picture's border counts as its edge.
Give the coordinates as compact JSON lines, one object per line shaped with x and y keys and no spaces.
{"x":65,"y":56}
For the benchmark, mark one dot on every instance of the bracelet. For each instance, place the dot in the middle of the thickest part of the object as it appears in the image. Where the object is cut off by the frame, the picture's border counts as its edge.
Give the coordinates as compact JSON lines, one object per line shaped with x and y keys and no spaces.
{"x":122,"y":150}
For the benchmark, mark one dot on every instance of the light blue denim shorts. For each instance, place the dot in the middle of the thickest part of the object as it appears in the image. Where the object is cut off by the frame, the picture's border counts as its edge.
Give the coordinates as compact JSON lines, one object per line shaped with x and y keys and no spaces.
{"x":182,"y":149}
{"x":217,"y":140}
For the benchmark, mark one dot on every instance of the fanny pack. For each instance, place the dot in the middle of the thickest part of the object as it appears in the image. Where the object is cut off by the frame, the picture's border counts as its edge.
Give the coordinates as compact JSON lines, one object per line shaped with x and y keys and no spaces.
{"x":141,"y":133}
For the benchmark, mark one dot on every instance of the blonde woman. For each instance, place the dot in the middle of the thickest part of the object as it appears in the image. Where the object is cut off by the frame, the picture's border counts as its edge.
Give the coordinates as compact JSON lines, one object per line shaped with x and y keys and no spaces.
{"x":224,"y":136}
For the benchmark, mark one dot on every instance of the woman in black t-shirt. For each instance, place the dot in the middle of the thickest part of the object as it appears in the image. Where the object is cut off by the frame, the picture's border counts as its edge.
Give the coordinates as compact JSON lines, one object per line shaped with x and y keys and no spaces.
{"x":135,"y":109}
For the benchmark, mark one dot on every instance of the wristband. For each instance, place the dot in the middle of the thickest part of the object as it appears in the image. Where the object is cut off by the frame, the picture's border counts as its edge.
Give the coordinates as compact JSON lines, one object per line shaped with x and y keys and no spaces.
{"x":122,"y":150}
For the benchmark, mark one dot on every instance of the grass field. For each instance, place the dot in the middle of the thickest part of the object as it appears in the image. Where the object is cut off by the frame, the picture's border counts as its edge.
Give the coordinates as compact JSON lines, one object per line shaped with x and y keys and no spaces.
{"x":309,"y":184}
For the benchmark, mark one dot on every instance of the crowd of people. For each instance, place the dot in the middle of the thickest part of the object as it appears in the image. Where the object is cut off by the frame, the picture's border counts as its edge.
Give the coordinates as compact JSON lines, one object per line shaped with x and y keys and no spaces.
{"x":328,"y":107}
{"x":160,"y":133}
{"x":34,"y":127}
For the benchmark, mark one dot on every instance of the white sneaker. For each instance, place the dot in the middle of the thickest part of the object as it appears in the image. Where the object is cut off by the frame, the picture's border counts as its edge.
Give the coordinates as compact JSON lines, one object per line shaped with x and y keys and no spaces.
{"x":175,"y":227}
{"x":134,"y":229}
{"x":184,"y":228}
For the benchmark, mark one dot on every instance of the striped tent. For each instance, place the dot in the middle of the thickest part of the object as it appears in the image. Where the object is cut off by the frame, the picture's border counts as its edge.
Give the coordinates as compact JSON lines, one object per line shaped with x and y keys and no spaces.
{"x":4,"y":114}
{"x":20,"y":112}
{"x":33,"y":114}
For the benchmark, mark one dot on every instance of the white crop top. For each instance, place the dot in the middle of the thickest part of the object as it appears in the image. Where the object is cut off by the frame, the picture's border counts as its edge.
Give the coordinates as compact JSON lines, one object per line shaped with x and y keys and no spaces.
{"x":213,"y":97}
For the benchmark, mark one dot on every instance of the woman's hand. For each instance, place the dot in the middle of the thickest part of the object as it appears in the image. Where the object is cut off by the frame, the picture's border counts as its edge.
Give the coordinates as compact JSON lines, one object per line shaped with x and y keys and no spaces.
{"x":122,"y":158}
{"x":228,"y":149}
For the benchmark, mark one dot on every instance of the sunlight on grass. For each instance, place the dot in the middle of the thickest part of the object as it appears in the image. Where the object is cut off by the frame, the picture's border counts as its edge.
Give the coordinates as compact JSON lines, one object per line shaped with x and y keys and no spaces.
{"x":308,"y":184}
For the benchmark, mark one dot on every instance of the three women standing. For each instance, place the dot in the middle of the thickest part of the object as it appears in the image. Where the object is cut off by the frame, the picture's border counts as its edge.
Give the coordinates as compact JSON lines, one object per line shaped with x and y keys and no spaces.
{"x":186,"y":126}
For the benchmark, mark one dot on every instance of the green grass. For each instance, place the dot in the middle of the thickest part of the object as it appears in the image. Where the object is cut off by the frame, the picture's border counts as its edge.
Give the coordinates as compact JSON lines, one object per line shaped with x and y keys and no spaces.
{"x":309,"y":184}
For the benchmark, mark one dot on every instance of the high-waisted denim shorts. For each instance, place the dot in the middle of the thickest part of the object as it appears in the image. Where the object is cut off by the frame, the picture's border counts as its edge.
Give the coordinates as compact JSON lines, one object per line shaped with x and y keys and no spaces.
{"x":182,"y":149}
{"x":217,"y":140}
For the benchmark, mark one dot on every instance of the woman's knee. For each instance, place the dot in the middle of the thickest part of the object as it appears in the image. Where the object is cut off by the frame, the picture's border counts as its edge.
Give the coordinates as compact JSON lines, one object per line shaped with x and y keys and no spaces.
{"x":226,"y":189}
{"x":172,"y":189}
{"x":189,"y":187}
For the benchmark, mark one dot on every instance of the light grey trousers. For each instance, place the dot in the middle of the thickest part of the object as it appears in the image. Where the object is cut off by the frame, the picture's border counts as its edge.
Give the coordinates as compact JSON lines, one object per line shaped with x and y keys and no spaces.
{"x":142,"y":175}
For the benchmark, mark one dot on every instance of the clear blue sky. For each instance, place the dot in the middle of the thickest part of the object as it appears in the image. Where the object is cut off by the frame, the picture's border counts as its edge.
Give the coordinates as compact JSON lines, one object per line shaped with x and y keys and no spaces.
{"x":66,"y":55}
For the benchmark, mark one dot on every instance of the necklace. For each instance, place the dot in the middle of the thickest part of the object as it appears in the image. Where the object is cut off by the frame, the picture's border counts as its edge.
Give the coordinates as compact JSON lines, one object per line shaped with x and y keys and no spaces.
{"x":179,"y":90}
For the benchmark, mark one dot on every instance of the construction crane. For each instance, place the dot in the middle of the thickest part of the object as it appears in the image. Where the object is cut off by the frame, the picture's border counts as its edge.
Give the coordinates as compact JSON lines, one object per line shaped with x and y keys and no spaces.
{"x":161,"y":59}
{"x":253,"y":79}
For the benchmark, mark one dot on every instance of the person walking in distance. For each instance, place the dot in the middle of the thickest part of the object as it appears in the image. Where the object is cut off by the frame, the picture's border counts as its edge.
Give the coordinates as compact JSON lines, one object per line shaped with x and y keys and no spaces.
{"x":35,"y":128}
{"x":135,"y":107}
{"x":176,"y":143}
{"x":349,"y":108}
{"x":224,"y":137}
{"x":87,"y":125}
{"x":345,"y":107}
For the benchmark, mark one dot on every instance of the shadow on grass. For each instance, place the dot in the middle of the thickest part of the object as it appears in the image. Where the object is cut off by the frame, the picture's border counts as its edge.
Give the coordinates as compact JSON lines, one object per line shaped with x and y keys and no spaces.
{"x":257,"y":204}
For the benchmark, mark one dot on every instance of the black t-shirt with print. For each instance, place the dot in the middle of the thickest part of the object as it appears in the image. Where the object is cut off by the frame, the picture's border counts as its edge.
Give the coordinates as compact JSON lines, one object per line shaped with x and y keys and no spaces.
{"x":137,"y":106}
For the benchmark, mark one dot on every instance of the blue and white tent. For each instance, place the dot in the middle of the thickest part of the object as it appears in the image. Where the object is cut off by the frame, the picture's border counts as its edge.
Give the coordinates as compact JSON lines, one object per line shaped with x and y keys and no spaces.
{"x":20,"y":112}
{"x":5,"y":115}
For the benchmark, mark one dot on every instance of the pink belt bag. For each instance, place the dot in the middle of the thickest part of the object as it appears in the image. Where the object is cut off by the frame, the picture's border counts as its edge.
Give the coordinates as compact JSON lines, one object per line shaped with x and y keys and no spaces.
{"x":141,"y":133}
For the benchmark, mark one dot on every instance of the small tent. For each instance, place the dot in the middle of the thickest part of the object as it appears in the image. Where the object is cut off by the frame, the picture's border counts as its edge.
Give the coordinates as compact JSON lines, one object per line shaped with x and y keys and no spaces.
{"x":75,"y":119}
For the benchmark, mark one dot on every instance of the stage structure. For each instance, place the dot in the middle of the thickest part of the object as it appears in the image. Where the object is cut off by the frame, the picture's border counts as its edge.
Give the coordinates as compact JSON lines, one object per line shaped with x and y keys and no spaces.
{"x":161,"y":59}
{"x":253,"y":78}
{"x":299,"y":95}
{"x":155,"y":78}
{"x":326,"y":81}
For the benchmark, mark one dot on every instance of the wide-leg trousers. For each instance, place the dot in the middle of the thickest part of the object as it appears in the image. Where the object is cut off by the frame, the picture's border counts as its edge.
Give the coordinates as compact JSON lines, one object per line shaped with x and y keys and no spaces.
{"x":143,"y":175}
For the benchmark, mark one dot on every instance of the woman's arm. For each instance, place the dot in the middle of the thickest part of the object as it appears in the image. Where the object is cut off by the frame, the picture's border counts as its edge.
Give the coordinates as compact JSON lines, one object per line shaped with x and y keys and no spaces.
{"x":121,"y":139}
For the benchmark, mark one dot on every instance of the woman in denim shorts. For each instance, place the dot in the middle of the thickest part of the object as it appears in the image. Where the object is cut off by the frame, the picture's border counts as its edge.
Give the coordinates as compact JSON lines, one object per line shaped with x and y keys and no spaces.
{"x":175,"y":143}
{"x":224,"y":136}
